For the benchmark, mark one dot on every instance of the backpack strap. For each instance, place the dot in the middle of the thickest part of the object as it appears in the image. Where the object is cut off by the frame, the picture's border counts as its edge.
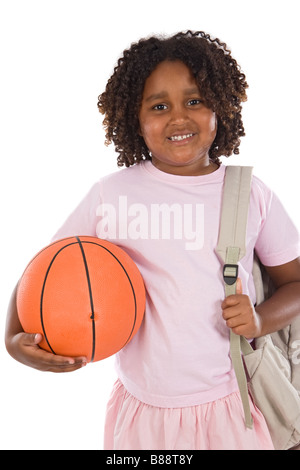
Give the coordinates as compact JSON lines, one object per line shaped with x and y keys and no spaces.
{"x":231,"y":248}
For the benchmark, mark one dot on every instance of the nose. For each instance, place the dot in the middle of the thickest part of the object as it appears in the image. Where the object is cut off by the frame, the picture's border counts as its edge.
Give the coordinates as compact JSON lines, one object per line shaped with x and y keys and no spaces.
{"x":178,"y":114}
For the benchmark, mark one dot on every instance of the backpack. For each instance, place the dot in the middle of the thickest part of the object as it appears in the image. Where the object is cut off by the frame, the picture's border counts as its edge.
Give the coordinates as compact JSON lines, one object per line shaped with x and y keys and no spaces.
{"x":268,"y":370}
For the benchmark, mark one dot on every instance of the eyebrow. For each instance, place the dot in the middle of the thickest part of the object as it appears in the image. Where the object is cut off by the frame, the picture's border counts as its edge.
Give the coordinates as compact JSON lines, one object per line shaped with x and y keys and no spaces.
{"x":164,"y":94}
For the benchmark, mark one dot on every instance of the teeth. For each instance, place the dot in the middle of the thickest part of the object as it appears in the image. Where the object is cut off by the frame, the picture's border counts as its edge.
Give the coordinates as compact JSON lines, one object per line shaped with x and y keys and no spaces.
{"x":181,"y":137}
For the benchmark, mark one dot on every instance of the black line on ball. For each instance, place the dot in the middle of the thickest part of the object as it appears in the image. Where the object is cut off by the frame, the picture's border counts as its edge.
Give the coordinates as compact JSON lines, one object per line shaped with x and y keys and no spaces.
{"x":80,"y":242}
{"x":43,"y":291}
{"x":92,"y":317}
{"x":127,"y":275}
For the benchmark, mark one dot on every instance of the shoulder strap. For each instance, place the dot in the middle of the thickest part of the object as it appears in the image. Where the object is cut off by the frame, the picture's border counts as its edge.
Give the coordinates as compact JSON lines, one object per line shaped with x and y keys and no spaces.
{"x":231,"y":248}
{"x":234,"y":216}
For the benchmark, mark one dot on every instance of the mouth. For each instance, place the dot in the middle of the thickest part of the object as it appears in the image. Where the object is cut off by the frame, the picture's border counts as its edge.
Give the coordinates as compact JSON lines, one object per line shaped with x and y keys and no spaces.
{"x":181,"y":138}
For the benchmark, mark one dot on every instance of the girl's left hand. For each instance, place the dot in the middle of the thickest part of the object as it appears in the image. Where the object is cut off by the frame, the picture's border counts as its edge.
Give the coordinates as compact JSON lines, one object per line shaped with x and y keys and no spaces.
{"x":240,"y":315}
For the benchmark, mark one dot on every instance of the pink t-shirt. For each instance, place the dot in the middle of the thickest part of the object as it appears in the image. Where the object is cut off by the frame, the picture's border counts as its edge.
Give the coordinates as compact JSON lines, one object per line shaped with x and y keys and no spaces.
{"x":169,"y":225}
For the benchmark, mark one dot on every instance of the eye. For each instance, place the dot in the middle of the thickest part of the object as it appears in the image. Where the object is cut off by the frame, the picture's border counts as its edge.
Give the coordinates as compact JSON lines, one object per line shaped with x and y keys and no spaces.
{"x":194,"y":102}
{"x":159,"y":107}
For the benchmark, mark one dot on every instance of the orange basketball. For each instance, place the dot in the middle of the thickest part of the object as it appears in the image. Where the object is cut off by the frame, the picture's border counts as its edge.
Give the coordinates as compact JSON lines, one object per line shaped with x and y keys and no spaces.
{"x":84,"y":295}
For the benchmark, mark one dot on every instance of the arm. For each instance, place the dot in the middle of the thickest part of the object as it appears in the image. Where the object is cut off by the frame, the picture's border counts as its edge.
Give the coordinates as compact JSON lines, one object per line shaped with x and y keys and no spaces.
{"x":24,"y":347}
{"x":272,"y":315}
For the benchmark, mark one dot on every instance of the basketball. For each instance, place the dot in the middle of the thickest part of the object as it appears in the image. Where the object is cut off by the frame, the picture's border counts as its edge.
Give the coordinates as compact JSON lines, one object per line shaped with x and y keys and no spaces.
{"x":85,"y":295}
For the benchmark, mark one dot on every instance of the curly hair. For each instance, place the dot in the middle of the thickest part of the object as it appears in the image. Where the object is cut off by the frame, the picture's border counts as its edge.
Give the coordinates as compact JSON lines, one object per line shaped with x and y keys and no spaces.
{"x":217,"y":74}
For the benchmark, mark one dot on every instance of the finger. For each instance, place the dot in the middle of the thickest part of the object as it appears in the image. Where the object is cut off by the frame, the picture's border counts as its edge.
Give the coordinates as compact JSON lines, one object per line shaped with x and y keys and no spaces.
{"x":31,"y":339}
{"x":231,"y":312}
{"x":45,"y":360}
{"x":239,"y":287}
{"x":232,"y":300}
{"x":65,"y":364}
{"x":52,"y":361}
{"x":235,"y":322}
{"x":60,"y":368}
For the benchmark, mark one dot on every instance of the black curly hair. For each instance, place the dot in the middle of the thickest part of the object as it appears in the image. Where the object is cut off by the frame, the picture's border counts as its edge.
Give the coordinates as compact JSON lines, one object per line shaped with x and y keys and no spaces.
{"x":219,"y":78}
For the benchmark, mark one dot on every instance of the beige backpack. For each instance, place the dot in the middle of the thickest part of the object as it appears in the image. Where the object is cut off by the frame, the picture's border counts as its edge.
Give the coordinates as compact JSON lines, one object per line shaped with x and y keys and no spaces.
{"x":269,"y":370}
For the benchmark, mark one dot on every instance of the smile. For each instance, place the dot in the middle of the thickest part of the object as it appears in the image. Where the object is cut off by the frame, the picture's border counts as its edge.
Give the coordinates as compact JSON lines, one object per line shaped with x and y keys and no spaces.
{"x":177,"y":138}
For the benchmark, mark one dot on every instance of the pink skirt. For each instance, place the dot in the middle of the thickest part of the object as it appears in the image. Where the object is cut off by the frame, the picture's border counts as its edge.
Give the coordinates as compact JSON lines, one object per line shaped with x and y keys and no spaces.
{"x":219,"y":425}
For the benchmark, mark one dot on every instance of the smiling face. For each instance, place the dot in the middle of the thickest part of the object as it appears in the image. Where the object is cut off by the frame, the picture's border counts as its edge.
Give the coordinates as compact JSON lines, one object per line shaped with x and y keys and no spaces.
{"x":177,"y":127}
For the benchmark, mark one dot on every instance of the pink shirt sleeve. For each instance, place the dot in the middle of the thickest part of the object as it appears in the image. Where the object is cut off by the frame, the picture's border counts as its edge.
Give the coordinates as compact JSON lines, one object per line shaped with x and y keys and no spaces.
{"x":278,"y":241}
{"x":83,"y":220}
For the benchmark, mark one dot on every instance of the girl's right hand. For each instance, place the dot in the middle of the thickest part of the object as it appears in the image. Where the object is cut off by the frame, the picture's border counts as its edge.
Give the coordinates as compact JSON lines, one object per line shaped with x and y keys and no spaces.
{"x":25,"y":348}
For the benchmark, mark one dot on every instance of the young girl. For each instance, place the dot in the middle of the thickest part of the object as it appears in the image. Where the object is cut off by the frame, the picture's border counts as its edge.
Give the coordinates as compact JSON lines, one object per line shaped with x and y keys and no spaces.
{"x":173,"y":107}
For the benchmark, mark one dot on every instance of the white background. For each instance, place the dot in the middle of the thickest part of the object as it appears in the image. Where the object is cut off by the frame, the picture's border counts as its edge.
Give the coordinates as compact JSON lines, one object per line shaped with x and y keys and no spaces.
{"x":56,"y":57}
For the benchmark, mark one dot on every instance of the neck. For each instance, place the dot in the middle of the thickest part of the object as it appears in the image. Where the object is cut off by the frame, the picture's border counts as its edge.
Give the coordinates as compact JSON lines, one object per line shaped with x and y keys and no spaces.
{"x":186,"y":170}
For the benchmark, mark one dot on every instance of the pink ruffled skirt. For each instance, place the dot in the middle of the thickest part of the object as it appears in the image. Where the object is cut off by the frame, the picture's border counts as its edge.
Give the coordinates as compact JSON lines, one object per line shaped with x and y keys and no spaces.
{"x":219,"y":425}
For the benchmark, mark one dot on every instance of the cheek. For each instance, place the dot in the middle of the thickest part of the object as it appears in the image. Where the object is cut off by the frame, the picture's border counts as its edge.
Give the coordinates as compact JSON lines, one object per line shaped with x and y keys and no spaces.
{"x":213,"y":124}
{"x":149,"y":130}
{"x":211,"y":127}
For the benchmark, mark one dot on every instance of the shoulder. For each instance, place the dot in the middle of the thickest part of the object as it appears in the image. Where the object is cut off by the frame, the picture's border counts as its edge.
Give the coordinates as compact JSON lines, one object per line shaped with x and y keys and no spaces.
{"x":259,"y":187}
{"x":120,"y":176}
{"x":261,"y":194}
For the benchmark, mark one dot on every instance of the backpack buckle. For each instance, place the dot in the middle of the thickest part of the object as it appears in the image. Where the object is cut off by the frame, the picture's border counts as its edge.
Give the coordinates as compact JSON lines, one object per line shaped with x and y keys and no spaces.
{"x":230,"y":273}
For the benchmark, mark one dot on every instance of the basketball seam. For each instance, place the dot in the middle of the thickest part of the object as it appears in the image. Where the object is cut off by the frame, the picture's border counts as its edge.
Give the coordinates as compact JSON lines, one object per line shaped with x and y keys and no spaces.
{"x":132,"y":288}
{"x":92,"y":317}
{"x":43,"y":291}
{"x":81,"y":242}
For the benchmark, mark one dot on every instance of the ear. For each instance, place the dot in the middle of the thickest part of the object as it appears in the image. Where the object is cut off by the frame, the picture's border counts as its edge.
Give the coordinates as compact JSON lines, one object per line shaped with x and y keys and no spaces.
{"x":140,"y":132}
{"x":216,"y":122}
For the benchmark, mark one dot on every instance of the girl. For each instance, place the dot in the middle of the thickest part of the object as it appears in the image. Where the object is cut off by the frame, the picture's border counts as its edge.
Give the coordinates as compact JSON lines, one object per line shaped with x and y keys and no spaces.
{"x":173,"y":107}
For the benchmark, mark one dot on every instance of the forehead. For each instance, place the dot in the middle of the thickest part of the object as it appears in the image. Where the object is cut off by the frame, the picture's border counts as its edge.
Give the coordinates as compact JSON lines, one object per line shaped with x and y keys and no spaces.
{"x":169,"y":76}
